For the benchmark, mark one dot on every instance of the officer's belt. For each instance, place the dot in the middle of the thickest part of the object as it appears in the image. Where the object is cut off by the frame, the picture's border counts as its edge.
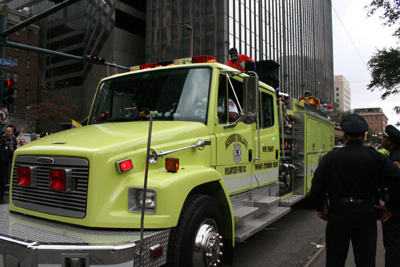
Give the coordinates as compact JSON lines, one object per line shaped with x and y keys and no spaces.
{"x":359,"y":200}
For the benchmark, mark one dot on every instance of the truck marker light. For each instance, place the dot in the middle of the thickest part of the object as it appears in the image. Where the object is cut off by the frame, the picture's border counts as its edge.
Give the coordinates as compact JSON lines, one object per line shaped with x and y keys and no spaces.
{"x":24,"y":176}
{"x":157,"y":251}
{"x":58,"y":180}
{"x":172,"y":164}
{"x":124,"y":165}
{"x":203,"y":59}
{"x":148,"y":66}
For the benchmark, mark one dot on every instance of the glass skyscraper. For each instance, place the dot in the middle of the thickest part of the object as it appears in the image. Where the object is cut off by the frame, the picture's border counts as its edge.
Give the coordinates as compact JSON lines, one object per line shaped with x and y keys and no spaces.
{"x":295,"y":34}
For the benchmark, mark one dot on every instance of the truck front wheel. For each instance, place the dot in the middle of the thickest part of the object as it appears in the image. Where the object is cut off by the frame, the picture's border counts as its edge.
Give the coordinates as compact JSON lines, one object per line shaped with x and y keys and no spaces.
{"x":197,"y":239}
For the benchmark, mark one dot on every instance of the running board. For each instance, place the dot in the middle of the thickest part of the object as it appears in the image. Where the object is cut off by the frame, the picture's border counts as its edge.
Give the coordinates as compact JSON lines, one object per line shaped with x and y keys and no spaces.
{"x":249,"y":227}
{"x":291,"y":200}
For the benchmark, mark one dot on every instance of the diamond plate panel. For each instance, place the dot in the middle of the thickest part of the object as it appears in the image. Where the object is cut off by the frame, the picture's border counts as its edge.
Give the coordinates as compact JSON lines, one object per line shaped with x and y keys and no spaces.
{"x":41,"y":236}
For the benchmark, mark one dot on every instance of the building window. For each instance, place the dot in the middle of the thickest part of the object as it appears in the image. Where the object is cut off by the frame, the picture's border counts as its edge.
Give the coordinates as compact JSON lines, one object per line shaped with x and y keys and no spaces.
{"x":9,"y":57}
{"x":28,"y":63}
{"x":15,"y":77}
{"x":29,"y":34}
{"x":27,"y":79}
{"x":15,"y":61}
{"x":337,"y":88}
{"x":8,"y":75}
{"x":26,"y":94}
{"x":337,"y":100}
{"x":337,"y":94}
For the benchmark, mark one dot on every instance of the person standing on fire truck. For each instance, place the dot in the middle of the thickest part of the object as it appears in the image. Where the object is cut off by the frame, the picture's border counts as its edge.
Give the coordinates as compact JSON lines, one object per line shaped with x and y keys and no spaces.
{"x":351,"y":177}
{"x":391,"y":228}
{"x":238,"y":61}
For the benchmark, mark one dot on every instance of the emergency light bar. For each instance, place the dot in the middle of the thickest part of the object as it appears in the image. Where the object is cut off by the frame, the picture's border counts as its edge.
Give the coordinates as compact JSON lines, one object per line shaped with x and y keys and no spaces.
{"x":181,"y":61}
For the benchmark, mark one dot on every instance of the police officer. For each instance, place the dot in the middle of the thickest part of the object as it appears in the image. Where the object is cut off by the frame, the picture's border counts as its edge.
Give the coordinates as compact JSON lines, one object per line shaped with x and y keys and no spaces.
{"x":351,"y":177}
{"x":5,"y":159}
{"x":391,"y":228}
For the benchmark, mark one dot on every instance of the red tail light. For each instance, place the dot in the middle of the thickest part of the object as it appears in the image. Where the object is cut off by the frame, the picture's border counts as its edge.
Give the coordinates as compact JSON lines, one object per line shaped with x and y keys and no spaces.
{"x":24,"y":176}
{"x":157,"y":251}
{"x":58,"y":180}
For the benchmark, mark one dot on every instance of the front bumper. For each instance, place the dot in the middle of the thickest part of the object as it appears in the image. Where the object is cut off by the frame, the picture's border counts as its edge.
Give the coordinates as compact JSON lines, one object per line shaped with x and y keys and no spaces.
{"x":31,"y":241}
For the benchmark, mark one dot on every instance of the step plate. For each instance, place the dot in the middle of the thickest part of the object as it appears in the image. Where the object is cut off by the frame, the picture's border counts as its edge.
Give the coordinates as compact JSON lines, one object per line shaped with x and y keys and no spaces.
{"x":243,"y":212}
{"x":250,"y":227}
{"x":289,"y":201}
{"x":267,"y":202}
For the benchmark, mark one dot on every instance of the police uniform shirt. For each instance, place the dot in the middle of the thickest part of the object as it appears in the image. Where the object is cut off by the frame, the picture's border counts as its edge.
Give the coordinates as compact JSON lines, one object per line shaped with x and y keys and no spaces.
{"x":395,"y":155}
{"x":355,"y":171}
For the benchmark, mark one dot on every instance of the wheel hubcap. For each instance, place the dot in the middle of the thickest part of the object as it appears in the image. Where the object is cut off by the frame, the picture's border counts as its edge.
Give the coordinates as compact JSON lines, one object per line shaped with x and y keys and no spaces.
{"x":207,"y":250}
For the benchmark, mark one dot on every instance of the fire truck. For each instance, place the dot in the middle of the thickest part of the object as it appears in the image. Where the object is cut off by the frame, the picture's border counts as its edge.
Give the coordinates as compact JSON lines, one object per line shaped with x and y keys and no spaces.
{"x":162,"y":174}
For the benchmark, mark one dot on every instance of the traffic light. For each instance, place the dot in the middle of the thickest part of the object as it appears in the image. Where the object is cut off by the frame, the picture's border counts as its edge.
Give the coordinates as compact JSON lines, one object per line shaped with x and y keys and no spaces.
{"x":94,"y":60}
{"x":8,"y":91}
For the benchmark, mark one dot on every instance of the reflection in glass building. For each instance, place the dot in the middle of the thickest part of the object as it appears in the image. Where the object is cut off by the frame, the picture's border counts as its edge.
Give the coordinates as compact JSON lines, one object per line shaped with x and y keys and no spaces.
{"x":295,"y":34}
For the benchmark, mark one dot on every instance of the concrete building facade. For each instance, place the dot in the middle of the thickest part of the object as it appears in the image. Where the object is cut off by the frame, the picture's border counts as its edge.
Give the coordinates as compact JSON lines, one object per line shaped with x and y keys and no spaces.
{"x":342,"y":93}
{"x":113,"y":30}
{"x":25,"y":71}
{"x":376,"y":120}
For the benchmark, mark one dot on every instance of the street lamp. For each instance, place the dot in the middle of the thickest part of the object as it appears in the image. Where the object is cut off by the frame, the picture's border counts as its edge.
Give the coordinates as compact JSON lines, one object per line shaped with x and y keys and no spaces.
{"x":189,"y":28}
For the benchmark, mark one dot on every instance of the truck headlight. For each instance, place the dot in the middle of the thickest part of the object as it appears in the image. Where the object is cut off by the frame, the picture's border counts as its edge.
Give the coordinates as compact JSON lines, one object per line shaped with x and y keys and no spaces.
{"x":136,"y":200}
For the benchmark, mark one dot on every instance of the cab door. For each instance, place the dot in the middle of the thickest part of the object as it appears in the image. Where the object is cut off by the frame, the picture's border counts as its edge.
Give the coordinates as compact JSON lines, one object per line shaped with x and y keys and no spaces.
{"x":235,"y":145}
{"x":266,"y":170}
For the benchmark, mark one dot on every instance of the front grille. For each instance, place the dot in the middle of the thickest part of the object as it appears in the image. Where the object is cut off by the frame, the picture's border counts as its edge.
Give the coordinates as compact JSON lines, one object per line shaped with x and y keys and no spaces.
{"x":41,"y":198}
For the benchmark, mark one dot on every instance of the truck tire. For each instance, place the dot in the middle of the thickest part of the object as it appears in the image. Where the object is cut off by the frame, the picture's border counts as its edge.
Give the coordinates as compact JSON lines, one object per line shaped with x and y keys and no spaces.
{"x":197,"y":239}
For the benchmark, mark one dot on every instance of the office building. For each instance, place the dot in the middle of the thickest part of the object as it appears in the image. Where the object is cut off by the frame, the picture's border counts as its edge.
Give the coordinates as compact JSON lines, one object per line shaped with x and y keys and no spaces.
{"x":376,"y":120}
{"x":342,"y":94}
{"x":112,"y":29}
{"x":24,"y":71}
{"x":297,"y":35}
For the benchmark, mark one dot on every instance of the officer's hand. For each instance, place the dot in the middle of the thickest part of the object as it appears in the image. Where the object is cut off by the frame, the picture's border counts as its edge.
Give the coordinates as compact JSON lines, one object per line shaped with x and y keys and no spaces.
{"x":323,"y":217}
{"x":385,"y":213}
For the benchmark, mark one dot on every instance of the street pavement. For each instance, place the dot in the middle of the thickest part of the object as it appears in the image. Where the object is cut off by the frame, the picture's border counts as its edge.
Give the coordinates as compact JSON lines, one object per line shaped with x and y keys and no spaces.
{"x":380,"y":254}
{"x":291,"y":245}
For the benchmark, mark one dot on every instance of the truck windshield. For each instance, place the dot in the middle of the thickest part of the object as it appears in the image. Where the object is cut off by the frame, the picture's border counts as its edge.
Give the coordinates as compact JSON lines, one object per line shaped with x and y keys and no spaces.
{"x":171,"y":94}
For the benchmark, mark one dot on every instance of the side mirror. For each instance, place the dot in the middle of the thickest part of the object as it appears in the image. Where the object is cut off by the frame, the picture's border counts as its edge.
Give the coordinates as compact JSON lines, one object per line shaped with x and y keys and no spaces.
{"x":250,"y":99}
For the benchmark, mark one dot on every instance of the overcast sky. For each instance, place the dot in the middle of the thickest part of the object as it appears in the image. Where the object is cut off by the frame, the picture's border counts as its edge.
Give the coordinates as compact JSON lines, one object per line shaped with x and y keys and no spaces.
{"x":356,"y":38}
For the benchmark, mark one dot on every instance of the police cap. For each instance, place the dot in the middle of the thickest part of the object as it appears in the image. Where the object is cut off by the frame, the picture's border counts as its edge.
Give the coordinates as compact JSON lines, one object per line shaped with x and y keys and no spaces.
{"x":354,"y":125}
{"x":393,"y":134}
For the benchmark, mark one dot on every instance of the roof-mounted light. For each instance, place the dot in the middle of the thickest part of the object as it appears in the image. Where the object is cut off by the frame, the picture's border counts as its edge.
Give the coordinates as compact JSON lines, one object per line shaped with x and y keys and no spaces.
{"x":188,"y":60}
{"x":204,"y":59}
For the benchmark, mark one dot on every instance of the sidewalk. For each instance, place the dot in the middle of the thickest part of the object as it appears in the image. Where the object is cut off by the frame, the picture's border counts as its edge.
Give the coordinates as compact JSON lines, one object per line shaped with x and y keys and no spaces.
{"x":380,"y":254}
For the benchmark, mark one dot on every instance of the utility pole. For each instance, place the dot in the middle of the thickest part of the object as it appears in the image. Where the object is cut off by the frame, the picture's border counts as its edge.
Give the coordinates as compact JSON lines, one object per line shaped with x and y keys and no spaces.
{"x":3,"y":22}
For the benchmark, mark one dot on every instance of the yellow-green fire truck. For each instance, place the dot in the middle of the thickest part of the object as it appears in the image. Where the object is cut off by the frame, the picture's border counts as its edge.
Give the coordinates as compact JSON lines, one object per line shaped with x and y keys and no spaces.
{"x":161,"y":173}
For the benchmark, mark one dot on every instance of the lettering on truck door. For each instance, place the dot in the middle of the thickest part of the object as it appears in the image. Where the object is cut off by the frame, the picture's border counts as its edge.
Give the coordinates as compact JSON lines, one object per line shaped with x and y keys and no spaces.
{"x":235,"y":146}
